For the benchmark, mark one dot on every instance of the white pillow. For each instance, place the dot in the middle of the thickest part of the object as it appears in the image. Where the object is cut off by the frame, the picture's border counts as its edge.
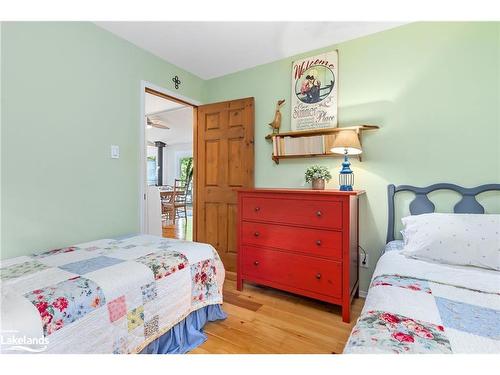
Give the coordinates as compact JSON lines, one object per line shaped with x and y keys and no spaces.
{"x":459,"y":239}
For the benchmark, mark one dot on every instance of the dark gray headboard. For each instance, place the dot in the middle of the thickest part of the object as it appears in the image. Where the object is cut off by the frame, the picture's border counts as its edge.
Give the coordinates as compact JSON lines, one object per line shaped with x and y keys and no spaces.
{"x":422,"y":205}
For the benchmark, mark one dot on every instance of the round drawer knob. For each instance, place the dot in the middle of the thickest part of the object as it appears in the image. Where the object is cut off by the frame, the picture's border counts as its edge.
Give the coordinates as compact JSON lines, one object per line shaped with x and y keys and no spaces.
{"x":256,"y":234}
{"x":319,"y":213}
{"x":318,"y":276}
{"x":318,"y":242}
{"x":256,"y":263}
{"x":257,"y":209}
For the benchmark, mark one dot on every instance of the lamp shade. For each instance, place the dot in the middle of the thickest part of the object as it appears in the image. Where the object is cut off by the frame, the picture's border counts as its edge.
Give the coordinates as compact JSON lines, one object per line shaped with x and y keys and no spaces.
{"x":346,"y":140}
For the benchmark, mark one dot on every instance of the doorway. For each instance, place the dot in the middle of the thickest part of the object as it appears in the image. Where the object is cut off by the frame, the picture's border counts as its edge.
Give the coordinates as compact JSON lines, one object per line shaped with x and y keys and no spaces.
{"x":167,"y":196}
{"x":221,"y":162}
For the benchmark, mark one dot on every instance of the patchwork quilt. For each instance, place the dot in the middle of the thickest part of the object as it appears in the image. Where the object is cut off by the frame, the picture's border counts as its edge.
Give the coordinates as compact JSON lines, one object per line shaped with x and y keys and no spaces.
{"x":105,"y":296}
{"x":414,"y":306}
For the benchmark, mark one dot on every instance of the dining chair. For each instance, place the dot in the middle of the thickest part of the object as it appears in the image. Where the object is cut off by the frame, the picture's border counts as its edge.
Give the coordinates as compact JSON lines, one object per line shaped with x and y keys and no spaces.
{"x":168,"y":204}
{"x":180,"y":196}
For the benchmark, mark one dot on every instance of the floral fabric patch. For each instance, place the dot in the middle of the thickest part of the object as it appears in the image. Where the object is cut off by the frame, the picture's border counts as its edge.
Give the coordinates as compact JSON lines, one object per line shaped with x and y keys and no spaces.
{"x":65,"y":302}
{"x":135,"y":318}
{"x":204,"y":281}
{"x":55,"y":252}
{"x":89,"y":265}
{"x":117,"y":308}
{"x":395,"y":245}
{"x":149,"y":292}
{"x":21,"y":269}
{"x":120,"y":346}
{"x":164,"y":263}
{"x":402,"y":282}
{"x":151,"y":327}
{"x":398,"y":334}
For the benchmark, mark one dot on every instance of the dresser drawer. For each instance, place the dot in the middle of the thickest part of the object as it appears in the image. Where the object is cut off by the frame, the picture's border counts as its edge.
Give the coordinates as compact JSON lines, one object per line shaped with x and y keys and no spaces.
{"x":317,"y":213}
{"x":297,"y":271}
{"x":315,"y":242}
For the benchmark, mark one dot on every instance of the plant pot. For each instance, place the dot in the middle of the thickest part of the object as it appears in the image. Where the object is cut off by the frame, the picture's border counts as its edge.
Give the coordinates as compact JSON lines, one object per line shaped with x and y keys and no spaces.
{"x":318,"y":184}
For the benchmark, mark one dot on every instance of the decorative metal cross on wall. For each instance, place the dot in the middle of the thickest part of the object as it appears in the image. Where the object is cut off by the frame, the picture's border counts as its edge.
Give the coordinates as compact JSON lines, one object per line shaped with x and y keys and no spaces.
{"x":176,"y":81}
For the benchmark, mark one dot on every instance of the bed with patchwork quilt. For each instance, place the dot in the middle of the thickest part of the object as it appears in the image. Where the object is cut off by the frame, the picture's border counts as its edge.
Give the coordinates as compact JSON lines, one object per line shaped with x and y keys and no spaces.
{"x":415,"y":306}
{"x":105,"y":296}
{"x":437,"y":290}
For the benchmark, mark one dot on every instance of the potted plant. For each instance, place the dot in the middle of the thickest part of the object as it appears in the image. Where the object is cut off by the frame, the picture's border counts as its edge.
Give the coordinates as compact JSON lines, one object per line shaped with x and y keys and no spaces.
{"x":317,"y":174}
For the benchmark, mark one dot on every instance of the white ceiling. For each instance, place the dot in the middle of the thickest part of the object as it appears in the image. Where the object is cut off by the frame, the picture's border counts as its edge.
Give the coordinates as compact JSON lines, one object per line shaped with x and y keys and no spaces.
{"x":213,"y":49}
{"x":154,"y":104}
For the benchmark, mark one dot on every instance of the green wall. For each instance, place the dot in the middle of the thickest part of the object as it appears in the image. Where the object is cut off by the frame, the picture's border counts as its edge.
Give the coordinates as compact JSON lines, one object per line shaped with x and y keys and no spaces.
{"x":432,"y":87}
{"x":69,"y":91}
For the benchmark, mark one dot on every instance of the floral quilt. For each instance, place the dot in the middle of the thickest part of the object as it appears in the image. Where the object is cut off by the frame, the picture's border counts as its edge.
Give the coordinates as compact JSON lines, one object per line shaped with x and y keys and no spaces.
{"x":105,"y":296}
{"x":415,"y":307}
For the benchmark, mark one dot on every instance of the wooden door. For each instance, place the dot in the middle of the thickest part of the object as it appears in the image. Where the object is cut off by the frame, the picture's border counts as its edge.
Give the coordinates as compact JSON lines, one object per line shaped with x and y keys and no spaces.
{"x":224,"y":162}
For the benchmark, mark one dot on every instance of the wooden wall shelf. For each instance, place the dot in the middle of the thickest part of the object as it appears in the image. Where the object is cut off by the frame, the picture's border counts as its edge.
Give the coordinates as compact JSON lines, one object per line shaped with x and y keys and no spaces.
{"x":357,"y":128}
{"x":311,"y":133}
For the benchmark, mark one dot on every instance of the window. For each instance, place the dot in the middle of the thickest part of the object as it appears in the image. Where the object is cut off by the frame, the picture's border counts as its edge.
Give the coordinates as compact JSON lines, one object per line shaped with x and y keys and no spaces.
{"x":152,"y":175}
{"x":186,"y":166}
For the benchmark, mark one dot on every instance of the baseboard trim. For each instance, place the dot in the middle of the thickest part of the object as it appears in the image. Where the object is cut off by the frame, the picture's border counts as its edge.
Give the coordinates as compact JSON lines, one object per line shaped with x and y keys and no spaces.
{"x":231,"y":275}
{"x":363,"y":293}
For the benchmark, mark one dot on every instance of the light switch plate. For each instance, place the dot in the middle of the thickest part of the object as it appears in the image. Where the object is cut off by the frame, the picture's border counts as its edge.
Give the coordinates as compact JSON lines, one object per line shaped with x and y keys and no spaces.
{"x":115,"y":152}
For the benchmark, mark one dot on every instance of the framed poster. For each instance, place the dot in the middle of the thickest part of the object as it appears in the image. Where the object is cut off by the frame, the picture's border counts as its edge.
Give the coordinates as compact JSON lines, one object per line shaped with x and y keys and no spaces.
{"x":314,"y":92}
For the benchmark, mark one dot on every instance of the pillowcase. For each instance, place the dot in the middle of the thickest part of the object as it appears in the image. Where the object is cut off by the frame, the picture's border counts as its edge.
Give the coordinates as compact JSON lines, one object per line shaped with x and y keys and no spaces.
{"x":459,"y":239}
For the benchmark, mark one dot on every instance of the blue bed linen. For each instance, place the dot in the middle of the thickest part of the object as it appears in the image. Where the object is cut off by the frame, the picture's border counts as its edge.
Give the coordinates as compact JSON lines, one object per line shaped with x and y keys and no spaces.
{"x":396,"y":245}
{"x":187,"y":334}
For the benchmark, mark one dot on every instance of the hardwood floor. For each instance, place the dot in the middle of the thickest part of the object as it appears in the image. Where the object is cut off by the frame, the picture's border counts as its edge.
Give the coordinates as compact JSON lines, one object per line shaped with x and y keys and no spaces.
{"x":182,"y":230}
{"x":264,"y":320}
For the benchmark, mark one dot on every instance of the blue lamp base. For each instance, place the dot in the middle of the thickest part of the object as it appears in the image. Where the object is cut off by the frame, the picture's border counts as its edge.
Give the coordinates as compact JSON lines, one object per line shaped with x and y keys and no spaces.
{"x":345,"y":187}
{"x":346,"y":177}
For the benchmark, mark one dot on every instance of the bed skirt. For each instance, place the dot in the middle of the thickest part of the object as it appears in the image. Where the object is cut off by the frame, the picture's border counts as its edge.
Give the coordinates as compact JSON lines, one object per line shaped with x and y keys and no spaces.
{"x":187,"y":334}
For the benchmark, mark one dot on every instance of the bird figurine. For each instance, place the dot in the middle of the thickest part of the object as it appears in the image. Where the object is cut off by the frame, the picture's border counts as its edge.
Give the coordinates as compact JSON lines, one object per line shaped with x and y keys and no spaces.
{"x":276,"y":123}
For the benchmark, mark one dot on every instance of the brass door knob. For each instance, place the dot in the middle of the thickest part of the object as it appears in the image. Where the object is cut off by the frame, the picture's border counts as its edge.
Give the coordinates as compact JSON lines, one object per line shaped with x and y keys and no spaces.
{"x":319,"y":213}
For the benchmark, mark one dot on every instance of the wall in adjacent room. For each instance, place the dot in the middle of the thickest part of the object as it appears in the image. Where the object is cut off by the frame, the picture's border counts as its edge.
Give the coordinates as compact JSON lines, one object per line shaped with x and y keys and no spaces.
{"x":69,"y":91}
{"x":433,"y":88}
{"x":173,"y":154}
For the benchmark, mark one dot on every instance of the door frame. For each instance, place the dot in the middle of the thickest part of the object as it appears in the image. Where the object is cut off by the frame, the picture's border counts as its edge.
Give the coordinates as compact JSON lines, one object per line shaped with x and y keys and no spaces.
{"x":169,"y":95}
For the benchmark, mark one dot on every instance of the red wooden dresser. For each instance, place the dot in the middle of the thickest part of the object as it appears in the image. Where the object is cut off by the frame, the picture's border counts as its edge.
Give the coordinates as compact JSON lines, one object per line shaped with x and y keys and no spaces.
{"x":301,"y":241}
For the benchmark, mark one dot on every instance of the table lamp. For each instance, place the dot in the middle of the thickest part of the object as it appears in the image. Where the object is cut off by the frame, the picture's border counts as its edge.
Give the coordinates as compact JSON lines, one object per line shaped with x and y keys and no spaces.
{"x":347,"y":143}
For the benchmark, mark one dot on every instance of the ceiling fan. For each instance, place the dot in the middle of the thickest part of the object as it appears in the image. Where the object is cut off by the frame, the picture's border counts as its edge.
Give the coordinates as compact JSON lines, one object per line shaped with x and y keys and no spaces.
{"x":152,"y":123}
